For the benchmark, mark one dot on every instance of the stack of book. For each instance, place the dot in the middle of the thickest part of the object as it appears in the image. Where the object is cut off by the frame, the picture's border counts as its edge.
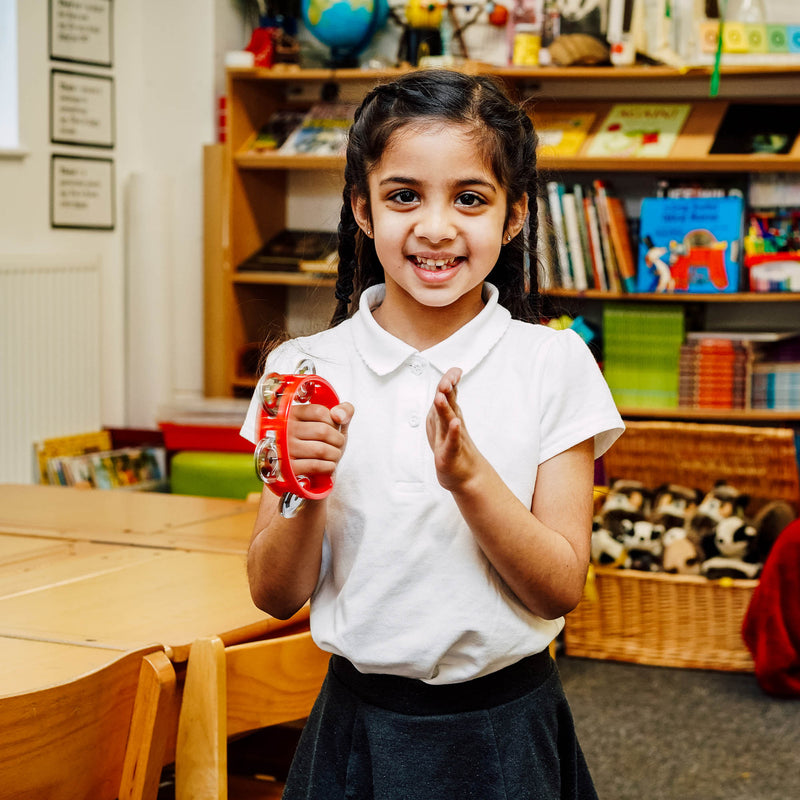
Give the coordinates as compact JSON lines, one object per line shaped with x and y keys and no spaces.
{"x":641,"y":354}
{"x":584,"y":241}
{"x":741,"y":370}
{"x":776,"y":376}
{"x":714,"y":372}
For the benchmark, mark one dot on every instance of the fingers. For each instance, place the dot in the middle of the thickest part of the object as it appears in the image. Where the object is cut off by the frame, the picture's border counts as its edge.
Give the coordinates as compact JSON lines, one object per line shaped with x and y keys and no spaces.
{"x":317,"y":437}
{"x":446,"y":399}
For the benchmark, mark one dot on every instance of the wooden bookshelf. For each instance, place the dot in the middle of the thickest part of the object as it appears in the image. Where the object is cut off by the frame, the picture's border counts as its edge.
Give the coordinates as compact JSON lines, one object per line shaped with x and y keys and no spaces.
{"x":255,"y":185}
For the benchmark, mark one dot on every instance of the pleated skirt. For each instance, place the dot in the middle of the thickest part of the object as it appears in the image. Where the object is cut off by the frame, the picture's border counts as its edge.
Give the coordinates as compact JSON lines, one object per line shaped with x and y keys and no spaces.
{"x":505,"y":736}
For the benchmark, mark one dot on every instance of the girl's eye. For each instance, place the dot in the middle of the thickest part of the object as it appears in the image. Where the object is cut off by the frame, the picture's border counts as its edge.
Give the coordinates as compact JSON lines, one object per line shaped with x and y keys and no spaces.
{"x":404,"y":196}
{"x":470,"y":199}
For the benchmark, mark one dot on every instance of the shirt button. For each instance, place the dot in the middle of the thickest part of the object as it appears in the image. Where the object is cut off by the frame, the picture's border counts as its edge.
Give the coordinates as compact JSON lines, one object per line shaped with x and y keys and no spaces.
{"x":417,"y":366}
{"x":414,"y":420}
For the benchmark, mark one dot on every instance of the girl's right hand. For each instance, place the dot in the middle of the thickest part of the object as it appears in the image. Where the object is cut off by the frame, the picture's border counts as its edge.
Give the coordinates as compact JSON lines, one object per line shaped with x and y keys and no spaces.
{"x":317,"y":437}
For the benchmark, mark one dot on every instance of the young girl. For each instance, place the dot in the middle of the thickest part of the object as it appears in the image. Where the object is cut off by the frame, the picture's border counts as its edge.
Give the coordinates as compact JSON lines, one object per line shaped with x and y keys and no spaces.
{"x":457,"y":533}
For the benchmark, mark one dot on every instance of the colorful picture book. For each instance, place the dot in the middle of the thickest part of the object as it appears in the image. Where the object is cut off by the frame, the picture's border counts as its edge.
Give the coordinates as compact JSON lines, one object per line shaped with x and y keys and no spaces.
{"x":562,"y":133}
{"x":127,"y":467}
{"x":690,"y":245}
{"x":639,"y":130}
{"x":277,"y":129}
{"x":323,"y":131}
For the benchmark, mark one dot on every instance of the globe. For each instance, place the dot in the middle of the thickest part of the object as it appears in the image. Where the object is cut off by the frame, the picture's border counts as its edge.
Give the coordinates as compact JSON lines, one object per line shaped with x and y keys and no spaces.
{"x":345,"y":26}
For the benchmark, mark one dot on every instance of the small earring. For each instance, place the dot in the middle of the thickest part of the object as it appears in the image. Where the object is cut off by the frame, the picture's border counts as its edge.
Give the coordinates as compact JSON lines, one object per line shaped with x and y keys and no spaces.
{"x":508,"y":237}
{"x":368,"y":231}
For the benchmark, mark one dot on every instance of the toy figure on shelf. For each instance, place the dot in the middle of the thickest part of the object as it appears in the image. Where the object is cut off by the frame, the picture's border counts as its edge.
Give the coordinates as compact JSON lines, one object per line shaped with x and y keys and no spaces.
{"x":431,"y":28}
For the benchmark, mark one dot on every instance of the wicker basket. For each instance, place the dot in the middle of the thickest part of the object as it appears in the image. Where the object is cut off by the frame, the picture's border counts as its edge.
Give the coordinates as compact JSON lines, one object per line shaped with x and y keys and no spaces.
{"x":761,"y":462}
{"x":659,"y":619}
{"x":681,"y":620}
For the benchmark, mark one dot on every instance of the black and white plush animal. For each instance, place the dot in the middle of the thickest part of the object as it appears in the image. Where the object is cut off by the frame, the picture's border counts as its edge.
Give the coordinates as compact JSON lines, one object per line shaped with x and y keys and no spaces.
{"x":736,"y":545}
{"x":643,"y":543}
{"x":626,"y":499}
{"x":721,"y":502}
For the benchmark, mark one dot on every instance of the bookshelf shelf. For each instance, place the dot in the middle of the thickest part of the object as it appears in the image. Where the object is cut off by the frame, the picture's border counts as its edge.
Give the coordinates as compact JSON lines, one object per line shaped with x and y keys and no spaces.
{"x":283,"y":279}
{"x":704,"y":163}
{"x":712,"y":415}
{"x":722,"y":297}
{"x":250,"y":189}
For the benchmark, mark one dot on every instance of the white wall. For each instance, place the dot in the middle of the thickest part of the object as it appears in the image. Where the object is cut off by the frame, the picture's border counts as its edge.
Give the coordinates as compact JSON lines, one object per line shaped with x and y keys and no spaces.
{"x":167,"y":74}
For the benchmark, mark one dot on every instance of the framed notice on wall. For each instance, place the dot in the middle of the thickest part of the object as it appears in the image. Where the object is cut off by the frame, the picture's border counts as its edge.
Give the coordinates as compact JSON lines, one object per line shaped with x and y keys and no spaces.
{"x":81,"y":109}
{"x":82,"y":192}
{"x":82,"y":31}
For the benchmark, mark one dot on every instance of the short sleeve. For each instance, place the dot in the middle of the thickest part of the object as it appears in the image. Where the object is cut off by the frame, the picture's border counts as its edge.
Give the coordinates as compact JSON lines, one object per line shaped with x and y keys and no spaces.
{"x":283,"y":359}
{"x":576,"y":403}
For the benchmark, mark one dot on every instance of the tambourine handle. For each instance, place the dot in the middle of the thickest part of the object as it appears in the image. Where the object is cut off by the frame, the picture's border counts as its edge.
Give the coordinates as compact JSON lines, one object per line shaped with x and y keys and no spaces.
{"x":272,"y":460}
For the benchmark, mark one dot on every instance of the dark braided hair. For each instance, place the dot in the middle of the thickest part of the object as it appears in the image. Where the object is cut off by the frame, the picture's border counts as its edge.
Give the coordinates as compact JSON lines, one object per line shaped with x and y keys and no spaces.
{"x":505,"y":133}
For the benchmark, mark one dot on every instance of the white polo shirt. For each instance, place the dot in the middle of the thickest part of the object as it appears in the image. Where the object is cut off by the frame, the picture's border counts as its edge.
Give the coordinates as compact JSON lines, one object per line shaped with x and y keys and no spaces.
{"x":404,"y":588}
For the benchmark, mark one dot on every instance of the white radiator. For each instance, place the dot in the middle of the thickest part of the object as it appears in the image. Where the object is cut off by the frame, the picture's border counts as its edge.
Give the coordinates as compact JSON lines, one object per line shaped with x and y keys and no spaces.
{"x":50,"y":381}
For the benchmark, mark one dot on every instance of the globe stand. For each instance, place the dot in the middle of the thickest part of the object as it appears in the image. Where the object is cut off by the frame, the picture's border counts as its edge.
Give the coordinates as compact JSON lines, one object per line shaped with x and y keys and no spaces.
{"x":342,"y":59}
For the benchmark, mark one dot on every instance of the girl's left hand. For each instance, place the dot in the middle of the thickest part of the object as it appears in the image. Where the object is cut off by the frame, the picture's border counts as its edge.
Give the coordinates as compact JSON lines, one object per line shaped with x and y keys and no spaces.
{"x":454,"y":453}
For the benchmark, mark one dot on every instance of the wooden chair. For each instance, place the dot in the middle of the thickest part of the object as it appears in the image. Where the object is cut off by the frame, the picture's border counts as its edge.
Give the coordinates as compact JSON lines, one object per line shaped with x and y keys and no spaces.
{"x":100,"y":736}
{"x":239,"y":689}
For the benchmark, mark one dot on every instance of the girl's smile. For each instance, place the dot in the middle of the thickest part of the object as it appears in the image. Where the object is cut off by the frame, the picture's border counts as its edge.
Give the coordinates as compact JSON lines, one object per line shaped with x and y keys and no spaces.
{"x":438,"y":215}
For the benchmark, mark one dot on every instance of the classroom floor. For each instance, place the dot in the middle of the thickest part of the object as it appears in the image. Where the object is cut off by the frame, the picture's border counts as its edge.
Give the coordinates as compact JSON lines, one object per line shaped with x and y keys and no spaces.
{"x":653,"y":733}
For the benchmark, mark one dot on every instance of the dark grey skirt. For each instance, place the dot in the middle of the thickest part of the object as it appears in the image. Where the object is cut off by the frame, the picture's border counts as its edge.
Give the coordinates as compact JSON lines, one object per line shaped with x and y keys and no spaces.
{"x":505,"y":736}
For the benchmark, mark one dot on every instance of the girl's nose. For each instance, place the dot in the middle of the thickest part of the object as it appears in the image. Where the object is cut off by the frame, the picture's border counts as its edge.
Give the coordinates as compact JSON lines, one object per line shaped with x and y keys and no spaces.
{"x":435,"y":226}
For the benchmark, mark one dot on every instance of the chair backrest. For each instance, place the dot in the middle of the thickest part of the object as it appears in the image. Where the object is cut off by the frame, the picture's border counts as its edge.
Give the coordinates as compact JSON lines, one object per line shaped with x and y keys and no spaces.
{"x":100,"y":736}
{"x":229,"y":691}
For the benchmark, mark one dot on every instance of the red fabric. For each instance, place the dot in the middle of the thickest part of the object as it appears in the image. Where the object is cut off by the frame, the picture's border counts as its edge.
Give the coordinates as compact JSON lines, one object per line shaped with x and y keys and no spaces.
{"x":771,"y":626}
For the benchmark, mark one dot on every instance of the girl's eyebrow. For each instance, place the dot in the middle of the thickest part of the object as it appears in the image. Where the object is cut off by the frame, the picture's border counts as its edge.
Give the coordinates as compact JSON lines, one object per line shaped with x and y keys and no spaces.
{"x":462,"y":182}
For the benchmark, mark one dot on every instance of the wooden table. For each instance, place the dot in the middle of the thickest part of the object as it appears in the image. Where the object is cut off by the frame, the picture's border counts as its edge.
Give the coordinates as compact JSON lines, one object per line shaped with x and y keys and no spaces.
{"x":123,"y":570}
{"x":168,"y":598}
{"x":29,"y":664}
{"x":124,"y":517}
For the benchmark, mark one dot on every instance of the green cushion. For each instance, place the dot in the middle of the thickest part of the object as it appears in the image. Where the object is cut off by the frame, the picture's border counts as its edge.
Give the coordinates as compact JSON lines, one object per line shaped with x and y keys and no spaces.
{"x":213,"y":474}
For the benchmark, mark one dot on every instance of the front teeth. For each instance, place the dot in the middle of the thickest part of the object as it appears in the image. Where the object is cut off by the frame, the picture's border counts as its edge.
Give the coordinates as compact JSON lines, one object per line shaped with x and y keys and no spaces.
{"x":434,"y":263}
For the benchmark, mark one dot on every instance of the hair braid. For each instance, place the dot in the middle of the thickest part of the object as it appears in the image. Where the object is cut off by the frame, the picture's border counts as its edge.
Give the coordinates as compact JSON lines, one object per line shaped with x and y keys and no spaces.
{"x":347,"y":259}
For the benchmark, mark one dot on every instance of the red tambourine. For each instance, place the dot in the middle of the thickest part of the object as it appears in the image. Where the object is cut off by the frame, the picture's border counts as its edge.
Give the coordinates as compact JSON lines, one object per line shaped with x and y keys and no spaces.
{"x":272,"y":461}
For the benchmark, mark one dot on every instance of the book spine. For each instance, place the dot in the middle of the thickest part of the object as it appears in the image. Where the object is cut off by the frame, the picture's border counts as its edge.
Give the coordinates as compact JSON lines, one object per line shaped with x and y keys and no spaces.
{"x":574,"y":241}
{"x":544,"y":251}
{"x":577,"y":190}
{"x":605,"y":240}
{"x":593,"y":228}
{"x":621,"y":240}
{"x":554,"y":191}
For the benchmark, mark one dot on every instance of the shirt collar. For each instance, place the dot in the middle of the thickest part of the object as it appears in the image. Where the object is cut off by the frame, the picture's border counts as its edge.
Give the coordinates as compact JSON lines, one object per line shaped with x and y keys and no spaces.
{"x":384,"y":353}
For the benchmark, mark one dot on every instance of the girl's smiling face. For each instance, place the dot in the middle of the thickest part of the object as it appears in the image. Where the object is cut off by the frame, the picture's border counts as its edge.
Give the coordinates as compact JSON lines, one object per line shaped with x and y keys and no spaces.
{"x":439,"y":217}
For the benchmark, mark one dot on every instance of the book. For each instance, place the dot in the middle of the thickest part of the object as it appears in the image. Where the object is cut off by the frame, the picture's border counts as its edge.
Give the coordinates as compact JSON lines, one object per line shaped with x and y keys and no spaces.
{"x":593,"y":229}
{"x":293,"y":250}
{"x":545,"y":257}
{"x":748,"y":128}
{"x":619,"y":235}
{"x":322,"y":132}
{"x":690,"y":245}
{"x":570,"y":211}
{"x":275,"y":132}
{"x":583,"y":235}
{"x":75,"y":445}
{"x":639,"y":130}
{"x":562,"y":133}
{"x":554,"y":192}
{"x":604,"y":226}
{"x":641,"y":354}
{"x":133,"y":467}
